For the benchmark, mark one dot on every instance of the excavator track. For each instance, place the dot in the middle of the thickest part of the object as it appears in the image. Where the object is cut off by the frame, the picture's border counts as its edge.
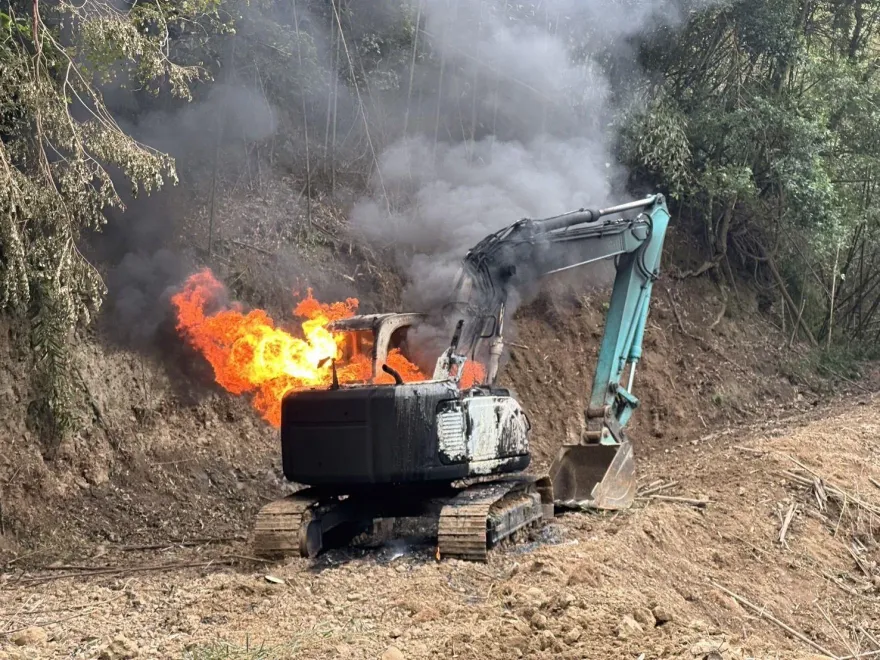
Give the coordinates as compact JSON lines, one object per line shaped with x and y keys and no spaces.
{"x":471,"y":521}
{"x":483,"y":515}
{"x":282,"y":527}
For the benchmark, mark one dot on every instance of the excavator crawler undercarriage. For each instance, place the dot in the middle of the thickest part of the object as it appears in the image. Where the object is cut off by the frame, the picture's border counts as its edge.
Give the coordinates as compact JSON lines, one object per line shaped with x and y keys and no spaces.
{"x":470,"y":519}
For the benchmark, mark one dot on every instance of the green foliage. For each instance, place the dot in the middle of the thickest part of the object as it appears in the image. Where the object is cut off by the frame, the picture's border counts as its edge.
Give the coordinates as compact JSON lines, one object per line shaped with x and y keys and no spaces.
{"x":728,"y":182}
{"x":656,"y":138}
{"x":58,"y":143}
{"x":767,"y":116}
{"x":768,"y":28}
{"x":818,"y":369}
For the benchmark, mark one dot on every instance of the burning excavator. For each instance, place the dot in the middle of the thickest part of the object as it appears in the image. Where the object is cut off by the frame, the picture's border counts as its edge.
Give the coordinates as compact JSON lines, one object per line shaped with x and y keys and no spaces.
{"x":458,"y":451}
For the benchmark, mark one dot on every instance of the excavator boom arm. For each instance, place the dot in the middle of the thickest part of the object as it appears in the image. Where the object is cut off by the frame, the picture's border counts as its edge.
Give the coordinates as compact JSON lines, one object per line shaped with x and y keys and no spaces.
{"x":599,"y":471}
{"x":519,"y":255}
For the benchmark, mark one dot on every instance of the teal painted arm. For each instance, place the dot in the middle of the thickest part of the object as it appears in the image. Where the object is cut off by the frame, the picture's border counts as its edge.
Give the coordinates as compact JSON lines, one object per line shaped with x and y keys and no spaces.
{"x":518,"y":255}
{"x":625,"y":328}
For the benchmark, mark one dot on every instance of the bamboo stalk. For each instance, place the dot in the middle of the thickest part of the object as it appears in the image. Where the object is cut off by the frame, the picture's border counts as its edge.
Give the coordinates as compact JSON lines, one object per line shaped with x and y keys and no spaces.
{"x":833,"y":291}
{"x":305,"y":118}
{"x":786,"y":523}
{"x":412,"y":68}
{"x":653,"y":489}
{"x":700,"y":504}
{"x":331,"y":82}
{"x":832,"y":489}
{"x":363,"y":113}
{"x":791,"y":304}
{"x":440,"y":91}
{"x":474,"y":88}
{"x":495,"y":99}
{"x":84,"y":573}
{"x":799,"y":317}
{"x":843,"y":639}
{"x":335,"y":110}
{"x":762,"y":612}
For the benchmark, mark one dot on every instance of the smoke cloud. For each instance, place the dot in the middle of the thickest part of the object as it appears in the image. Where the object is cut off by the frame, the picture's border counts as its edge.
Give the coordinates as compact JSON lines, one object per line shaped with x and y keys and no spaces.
{"x":519,"y":125}
{"x":148,"y":265}
{"x":464,"y":192}
{"x":510,"y":116}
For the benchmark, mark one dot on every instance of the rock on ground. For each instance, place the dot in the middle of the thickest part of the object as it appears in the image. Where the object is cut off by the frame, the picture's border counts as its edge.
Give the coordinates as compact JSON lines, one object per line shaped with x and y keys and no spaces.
{"x":709,"y":648}
{"x":629,"y":628}
{"x":662,"y":614}
{"x":392,"y":653}
{"x":121,"y":648}
{"x":30,"y":637}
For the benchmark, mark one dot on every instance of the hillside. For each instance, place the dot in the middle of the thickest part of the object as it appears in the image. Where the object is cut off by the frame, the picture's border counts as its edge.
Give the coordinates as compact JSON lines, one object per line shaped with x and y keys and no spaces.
{"x":300,"y":160}
{"x":169,"y":457}
{"x":160,"y":432}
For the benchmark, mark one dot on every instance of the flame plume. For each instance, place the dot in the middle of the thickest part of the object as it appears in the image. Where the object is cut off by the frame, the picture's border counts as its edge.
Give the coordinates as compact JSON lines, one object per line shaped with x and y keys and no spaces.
{"x":251,"y":355}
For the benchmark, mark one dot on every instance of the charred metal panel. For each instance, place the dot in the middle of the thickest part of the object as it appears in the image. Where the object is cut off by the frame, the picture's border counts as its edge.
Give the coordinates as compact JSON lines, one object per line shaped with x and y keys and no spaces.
{"x":360,"y":436}
{"x":374,"y":321}
{"x":381,"y":326}
{"x":498,"y":433}
{"x":354,"y":436}
{"x":498,"y":428}
{"x":499,"y":465}
{"x":490,"y":432}
{"x":415,"y":439}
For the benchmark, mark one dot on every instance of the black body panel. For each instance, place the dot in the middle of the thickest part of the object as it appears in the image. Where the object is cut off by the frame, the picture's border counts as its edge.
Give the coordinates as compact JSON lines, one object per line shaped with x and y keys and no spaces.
{"x":369,"y":435}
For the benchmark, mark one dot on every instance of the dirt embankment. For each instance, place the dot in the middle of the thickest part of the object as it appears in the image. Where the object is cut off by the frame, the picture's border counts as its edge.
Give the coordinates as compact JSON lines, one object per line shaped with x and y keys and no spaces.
{"x":164,"y":451}
{"x":666,"y":579}
{"x":161,"y":435}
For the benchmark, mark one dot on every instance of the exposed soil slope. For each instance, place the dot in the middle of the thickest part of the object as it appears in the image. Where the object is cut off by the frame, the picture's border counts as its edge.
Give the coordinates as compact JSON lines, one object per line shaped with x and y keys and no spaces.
{"x":648,"y":581}
{"x":161,"y":433}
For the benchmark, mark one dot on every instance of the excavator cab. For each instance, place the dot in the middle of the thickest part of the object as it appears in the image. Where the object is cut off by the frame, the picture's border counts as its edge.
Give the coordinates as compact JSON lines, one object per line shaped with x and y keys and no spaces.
{"x":372,"y":337}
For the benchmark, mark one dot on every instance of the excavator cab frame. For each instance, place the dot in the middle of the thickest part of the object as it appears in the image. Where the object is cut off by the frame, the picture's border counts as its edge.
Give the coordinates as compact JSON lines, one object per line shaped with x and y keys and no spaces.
{"x":381,"y":328}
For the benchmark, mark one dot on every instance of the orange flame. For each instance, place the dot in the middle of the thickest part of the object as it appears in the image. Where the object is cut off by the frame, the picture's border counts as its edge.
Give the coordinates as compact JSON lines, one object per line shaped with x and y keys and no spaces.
{"x":250,"y":354}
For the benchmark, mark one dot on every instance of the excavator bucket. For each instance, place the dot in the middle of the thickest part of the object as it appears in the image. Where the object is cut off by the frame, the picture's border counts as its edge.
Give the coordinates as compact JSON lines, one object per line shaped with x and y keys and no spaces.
{"x":594,"y":476}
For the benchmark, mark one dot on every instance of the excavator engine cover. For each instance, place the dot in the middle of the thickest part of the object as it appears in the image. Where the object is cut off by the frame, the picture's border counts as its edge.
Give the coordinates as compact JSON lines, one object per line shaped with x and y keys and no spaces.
{"x":397,"y":434}
{"x":594,"y":476}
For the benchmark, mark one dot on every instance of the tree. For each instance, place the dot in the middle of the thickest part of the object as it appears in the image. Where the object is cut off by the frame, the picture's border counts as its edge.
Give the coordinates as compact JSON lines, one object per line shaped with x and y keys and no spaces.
{"x":58,"y":148}
{"x":765,"y":126}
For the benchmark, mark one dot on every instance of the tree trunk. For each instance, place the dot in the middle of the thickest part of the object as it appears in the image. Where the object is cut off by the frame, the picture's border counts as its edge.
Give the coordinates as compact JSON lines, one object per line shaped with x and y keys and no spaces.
{"x":788,"y":301}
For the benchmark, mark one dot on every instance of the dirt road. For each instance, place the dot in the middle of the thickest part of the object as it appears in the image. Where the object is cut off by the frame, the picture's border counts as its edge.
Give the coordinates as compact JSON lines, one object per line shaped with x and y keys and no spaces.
{"x":654,"y":582}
